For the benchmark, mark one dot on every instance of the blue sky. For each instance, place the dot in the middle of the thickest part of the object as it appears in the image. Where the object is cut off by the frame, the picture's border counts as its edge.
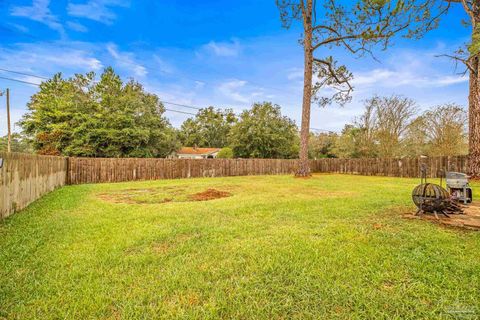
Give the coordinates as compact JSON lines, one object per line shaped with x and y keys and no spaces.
{"x":211,"y":52}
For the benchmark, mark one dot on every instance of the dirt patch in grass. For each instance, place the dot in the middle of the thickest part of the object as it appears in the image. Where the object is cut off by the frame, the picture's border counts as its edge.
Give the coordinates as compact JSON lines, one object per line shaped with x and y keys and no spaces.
{"x":470,"y":220}
{"x":131,"y":197}
{"x":172,"y":243}
{"x":210,"y":194}
{"x":161,"y":195}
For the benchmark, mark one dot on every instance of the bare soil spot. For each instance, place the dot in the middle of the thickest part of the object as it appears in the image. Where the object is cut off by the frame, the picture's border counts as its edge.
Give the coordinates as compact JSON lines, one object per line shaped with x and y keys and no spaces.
{"x":210,"y":194}
{"x":161,"y":195}
{"x":470,"y":220}
{"x":377,"y":226}
{"x":303,"y":177}
{"x":115,"y":198}
{"x":172,"y":243}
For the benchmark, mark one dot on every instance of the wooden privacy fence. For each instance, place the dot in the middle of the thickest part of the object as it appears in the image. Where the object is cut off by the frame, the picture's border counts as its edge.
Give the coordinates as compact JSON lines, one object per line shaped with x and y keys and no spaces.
{"x":97,"y":170}
{"x":24,"y":178}
{"x":405,"y":167}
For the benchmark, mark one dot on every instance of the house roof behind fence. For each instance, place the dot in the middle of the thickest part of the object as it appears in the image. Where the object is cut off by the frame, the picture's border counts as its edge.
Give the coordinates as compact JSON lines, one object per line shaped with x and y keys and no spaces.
{"x":197,"y":151}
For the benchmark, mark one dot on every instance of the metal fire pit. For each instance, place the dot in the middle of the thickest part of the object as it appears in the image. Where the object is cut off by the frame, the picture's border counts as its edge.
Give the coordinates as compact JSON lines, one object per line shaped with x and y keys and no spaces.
{"x":429,"y":197}
{"x":433,"y":198}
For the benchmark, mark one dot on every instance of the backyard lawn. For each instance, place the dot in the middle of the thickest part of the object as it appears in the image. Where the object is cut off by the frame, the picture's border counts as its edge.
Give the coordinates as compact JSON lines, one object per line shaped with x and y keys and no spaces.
{"x":270,"y":247}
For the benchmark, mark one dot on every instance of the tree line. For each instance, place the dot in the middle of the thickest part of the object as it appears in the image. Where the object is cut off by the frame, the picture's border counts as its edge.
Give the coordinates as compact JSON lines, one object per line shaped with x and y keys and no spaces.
{"x":361,"y":27}
{"x":393,"y":127}
{"x":82,"y":117}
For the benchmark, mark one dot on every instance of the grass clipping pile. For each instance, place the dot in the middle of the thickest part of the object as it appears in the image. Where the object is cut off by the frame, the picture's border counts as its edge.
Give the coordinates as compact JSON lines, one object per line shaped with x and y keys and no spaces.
{"x":161,"y":195}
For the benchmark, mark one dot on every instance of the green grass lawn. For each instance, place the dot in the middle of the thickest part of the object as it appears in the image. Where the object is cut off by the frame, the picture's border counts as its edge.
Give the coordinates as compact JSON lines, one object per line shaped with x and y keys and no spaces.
{"x":330,"y":247}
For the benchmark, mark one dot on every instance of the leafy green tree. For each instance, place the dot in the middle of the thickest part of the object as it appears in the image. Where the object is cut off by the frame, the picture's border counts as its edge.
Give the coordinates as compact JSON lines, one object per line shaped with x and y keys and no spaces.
{"x":446,"y":130}
{"x":348,"y":144}
{"x":19,"y":144}
{"x":416,"y":141}
{"x":322,"y":145}
{"x":225,"y":153}
{"x":440,"y":131}
{"x":209,"y":129}
{"x":392,"y":115}
{"x":262,"y":132}
{"x":108,"y":118}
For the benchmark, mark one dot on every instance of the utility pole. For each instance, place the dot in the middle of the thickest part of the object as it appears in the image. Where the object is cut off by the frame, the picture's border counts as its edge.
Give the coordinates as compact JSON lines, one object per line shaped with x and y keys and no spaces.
{"x":9,"y":141}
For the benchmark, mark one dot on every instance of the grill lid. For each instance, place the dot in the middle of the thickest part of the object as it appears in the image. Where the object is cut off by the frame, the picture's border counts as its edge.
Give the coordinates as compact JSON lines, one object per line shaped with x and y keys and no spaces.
{"x":456,"y":179}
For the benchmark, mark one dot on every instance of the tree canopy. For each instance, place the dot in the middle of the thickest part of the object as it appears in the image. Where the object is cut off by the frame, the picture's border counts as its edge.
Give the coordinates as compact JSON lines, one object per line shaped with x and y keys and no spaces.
{"x":262,"y":132}
{"x":321,"y":145}
{"x":109,"y":118}
{"x":209,"y":129}
{"x":357,"y":26}
{"x":19,"y":144}
{"x":392,"y":127}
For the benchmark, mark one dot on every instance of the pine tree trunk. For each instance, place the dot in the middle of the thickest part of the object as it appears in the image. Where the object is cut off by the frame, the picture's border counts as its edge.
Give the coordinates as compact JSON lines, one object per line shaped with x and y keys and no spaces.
{"x":303,"y":169}
{"x":474,"y":120}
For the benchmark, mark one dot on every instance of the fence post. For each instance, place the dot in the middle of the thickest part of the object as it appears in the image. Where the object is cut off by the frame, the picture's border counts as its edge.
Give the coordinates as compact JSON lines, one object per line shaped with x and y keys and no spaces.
{"x":67,"y":171}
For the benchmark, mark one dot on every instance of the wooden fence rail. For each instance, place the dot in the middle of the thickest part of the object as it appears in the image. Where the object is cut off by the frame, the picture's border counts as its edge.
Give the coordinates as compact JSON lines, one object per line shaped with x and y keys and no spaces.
{"x":97,"y":170}
{"x":405,"y":167}
{"x":24,"y":178}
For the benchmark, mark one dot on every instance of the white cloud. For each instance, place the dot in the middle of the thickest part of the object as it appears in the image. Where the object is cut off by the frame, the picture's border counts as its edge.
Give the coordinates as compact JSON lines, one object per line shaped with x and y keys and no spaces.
{"x":223,"y":49}
{"x":295,"y":74}
{"x":240,"y":91}
{"x":49,"y":58}
{"x":77,"y":26}
{"x":231,"y":90}
{"x":30,"y":79}
{"x":126,"y":61}
{"x":162,"y":65}
{"x":199,"y":85}
{"x":39,"y":11}
{"x":388,"y":78}
{"x":410,"y":69}
{"x":97,"y":10}
{"x":20,"y":28}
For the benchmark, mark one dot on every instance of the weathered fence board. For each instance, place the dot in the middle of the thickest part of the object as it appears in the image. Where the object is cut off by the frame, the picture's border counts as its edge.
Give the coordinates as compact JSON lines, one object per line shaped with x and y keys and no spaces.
{"x":98,"y":170}
{"x":24,"y":178}
{"x":405,"y":167}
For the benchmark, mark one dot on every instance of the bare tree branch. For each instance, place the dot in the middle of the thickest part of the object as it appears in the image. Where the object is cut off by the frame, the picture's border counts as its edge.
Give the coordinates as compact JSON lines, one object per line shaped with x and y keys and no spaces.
{"x":465,"y":61}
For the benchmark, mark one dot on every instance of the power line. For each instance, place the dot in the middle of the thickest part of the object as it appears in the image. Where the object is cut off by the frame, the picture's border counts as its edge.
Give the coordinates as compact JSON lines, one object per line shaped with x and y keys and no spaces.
{"x":24,"y":74}
{"x":181,"y":105}
{"x":165,"y":102}
{"x":183,"y":112}
{"x":322,"y":130}
{"x":45,"y":78}
{"x":21,"y":81}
